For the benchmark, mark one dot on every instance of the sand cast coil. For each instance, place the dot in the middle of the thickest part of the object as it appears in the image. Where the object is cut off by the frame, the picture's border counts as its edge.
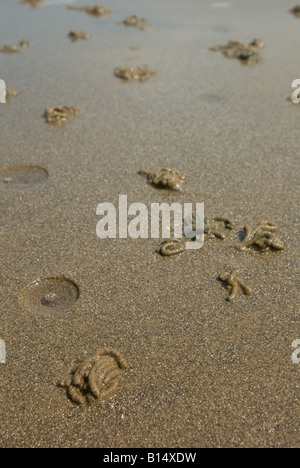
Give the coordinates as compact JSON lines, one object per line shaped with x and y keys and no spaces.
{"x":95,"y":379}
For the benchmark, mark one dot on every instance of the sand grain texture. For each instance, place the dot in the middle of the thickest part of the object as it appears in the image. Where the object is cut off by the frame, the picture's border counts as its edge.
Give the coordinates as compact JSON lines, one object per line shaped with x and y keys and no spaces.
{"x":203,"y":372}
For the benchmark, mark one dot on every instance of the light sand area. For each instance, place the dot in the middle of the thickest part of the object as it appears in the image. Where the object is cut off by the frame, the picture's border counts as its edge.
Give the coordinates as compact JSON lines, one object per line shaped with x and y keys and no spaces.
{"x":202,"y":372}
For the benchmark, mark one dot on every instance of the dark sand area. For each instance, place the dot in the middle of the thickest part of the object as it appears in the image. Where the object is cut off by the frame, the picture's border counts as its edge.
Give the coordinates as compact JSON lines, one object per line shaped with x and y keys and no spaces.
{"x":202,"y":372}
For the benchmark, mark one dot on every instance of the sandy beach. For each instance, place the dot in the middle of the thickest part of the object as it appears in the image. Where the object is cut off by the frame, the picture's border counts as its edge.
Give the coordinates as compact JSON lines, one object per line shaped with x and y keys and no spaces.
{"x":202,"y":371}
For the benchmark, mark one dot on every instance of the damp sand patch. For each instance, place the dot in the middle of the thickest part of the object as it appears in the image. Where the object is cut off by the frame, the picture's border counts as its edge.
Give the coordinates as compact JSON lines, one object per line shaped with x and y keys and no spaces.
{"x":296,"y":11}
{"x":165,"y":177}
{"x":134,"y":21}
{"x":32,"y":3}
{"x":96,"y":11}
{"x":134,"y":74}
{"x":15,"y":48}
{"x":76,"y":35}
{"x":58,"y":116}
{"x":247,"y":54}
{"x":22,"y":176}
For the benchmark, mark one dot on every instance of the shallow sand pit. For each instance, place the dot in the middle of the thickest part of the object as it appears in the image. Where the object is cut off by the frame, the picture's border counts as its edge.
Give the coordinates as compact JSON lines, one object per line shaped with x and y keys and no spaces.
{"x":49,"y":295}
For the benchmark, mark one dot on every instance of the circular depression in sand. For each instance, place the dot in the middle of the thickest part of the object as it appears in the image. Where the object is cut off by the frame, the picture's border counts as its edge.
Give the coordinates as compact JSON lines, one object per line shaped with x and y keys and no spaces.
{"x":49,"y":295}
{"x":22,"y":176}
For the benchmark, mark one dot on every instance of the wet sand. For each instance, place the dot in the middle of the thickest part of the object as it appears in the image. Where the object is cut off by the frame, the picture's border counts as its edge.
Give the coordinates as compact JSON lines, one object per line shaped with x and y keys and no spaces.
{"x":202,"y":372}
